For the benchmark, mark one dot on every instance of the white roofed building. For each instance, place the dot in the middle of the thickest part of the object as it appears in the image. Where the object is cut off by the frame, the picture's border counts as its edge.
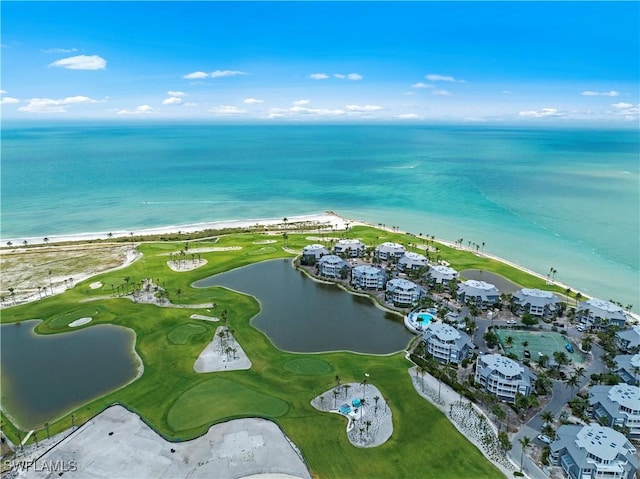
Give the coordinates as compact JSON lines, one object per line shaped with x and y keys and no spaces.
{"x":412,"y":261}
{"x":536,"y":302}
{"x":440,"y":274}
{"x":600,"y":314}
{"x":350,"y":248}
{"x":332,"y":266}
{"x":593,"y":452}
{"x":445,"y":343}
{"x":628,"y":368}
{"x":478,"y":292}
{"x":628,"y":340}
{"x":503,"y":377}
{"x":617,"y":405}
{"x":368,"y":277}
{"x":390,"y":251}
{"x":403,"y":293}
{"x":313,"y":252}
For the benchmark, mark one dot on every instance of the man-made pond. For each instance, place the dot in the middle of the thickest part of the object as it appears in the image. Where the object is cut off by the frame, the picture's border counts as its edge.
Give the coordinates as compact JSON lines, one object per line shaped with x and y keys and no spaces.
{"x":299,"y":314}
{"x":44,"y":377}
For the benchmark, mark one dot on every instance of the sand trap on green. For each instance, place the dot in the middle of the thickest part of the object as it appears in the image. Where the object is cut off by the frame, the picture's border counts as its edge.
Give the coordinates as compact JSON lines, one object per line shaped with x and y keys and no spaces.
{"x":219,"y":398}
{"x":181,"y":334}
{"x":71,"y":317}
{"x":80,"y":322}
{"x":308,"y":366}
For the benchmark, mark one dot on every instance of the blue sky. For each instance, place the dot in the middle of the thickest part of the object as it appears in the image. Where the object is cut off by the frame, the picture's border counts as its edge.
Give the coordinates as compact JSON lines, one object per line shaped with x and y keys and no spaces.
{"x":322,"y":61}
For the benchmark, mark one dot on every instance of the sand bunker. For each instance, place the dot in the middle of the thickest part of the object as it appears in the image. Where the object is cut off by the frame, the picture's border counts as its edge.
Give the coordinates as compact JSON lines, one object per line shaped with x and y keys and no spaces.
{"x":96,"y":285}
{"x":265,"y":242}
{"x":223,"y":353}
{"x":369,"y":422}
{"x":79,"y":322}
{"x":130,"y":448}
{"x":204,"y":318}
{"x":180,"y":266}
{"x":213,"y":249}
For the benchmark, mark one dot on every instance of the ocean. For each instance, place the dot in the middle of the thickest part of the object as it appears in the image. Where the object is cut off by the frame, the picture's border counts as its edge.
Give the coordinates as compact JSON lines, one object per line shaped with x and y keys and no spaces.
{"x":562,"y":198}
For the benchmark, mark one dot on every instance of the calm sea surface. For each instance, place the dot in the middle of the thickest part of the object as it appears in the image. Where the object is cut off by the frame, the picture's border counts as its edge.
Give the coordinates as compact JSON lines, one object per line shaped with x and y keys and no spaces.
{"x":562,"y":198}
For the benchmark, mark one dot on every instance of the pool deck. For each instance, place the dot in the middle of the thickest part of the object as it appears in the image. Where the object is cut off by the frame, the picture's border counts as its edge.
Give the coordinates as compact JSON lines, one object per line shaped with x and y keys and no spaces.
{"x":412,"y":325}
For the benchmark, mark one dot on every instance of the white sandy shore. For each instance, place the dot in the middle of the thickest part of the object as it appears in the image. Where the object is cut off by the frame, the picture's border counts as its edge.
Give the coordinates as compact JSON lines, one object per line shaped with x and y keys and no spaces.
{"x":215,"y":356}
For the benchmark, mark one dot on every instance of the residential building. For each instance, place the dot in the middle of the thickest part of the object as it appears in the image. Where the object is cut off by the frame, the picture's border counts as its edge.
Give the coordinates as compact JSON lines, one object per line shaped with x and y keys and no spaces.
{"x":617,"y":405}
{"x":628,"y":368}
{"x":402,"y":292}
{"x":628,"y":340}
{"x":390,"y":251}
{"x":313,"y":252}
{"x":368,"y":277}
{"x":440,"y":274}
{"x":478,"y":292}
{"x":332,"y":266}
{"x":593,"y":452}
{"x":599,"y":314}
{"x":351,"y":248}
{"x":536,"y":302}
{"x":412,"y":261}
{"x":503,"y":377}
{"x":445,"y":343}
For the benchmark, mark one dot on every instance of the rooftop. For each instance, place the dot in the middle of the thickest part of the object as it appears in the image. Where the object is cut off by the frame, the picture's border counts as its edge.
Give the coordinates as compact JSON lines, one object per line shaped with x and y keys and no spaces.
{"x":625,"y":395}
{"x":444,"y":332}
{"x":537,"y":293}
{"x":506,"y":366}
{"x":602,"y":441}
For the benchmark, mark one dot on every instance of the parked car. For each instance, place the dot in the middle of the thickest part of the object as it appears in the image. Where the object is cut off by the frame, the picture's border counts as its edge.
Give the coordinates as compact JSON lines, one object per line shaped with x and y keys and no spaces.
{"x":580,"y":328}
{"x":527,"y":354}
{"x":511,"y":321}
{"x":544,"y":438}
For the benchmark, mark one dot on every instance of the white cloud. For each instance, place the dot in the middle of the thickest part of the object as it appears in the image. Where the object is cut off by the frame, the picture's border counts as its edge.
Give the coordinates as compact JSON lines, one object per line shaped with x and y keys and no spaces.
{"x":3,"y":92}
{"x":139,"y":110}
{"x":354,"y":76}
{"x":442,"y":93}
{"x":81,"y":62}
{"x":422,"y":85}
{"x":409,"y":116}
{"x":252,"y":101}
{"x":195,"y":76}
{"x":190,"y":104}
{"x":300,"y":102}
{"x":622,"y":106}
{"x":628,"y":110}
{"x":172,"y":100}
{"x":226,"y":73}
{"x":316,"y":111}
{"x":340,"y":76}
{"x":363,"y":107}
{"x":600,"y":93}
{"x":227,"y":110}
{"x":447,"y":78}
{"x":49,"y":105}
{"x":506,"y":92}
{"x":543,"y":113}
{"x":6,"y":100}
{"x":176,"y":93}
{"x":60,"y":50}
{"x":318,"y":76}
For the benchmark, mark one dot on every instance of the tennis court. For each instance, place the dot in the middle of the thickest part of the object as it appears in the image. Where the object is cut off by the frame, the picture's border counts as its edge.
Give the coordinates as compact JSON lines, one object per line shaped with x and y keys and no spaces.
{"x":544,"y":342}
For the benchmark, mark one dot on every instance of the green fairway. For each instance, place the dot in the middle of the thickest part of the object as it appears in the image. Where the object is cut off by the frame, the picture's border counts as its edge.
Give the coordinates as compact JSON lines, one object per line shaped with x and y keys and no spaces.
{"x":216,"y":398}
{"x":308,"y":366}
{"x":181,"y":404}
{"x":181,"y":334}
{"x":537,"y":342}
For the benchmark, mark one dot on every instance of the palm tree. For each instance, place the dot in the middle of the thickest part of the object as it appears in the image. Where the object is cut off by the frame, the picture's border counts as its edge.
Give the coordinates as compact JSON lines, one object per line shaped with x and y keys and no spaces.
{"x":346,"y":387}
{"x":572,"y":381}
{"x":524,"y":442}
{"x":336,"y":393}
{"x":376,"y":399}
{"x":546,"y":416}
{"x":50,"y":283}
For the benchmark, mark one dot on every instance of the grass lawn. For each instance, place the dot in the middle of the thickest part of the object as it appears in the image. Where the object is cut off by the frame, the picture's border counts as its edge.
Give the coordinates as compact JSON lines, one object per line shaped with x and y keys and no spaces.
{"x":181,"y":404}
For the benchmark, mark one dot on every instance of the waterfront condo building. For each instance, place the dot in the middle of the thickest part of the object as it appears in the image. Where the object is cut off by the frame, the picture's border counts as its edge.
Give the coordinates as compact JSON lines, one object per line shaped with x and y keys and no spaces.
{"x":628,"y":368}
{"x":503,"y":377}
{"x":350,"y":248}
{"x":628,"y":340}
{"x":617,"y":405}
{"x":446,"y":344}
{"x":600,"y":314}
{"x":403,"y":293}
{"x":593,"y":452}
{"x":390,"y":251}
{"x":368,"y":277}
{"x":332,"y":266}
{"x":536,"y":302}
{"x":479,"y":293}
{"x":313,"y":252}
{"x":440,"y":274}
{"x":412,"y":261}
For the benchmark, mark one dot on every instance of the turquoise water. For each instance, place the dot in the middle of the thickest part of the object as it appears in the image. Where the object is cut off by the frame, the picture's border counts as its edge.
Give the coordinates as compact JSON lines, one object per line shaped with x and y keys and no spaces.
{"x":562,"y":198}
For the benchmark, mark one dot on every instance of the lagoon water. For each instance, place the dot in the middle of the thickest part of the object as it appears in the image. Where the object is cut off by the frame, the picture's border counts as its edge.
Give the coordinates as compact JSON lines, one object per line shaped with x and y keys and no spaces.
{"x":43,"y":377}
{"x":299,"y":314}
{"x":563,"y":198}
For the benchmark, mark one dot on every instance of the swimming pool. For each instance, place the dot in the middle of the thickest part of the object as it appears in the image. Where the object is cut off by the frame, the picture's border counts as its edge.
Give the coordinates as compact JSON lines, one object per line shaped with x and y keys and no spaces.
{"x":417,"y":321}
